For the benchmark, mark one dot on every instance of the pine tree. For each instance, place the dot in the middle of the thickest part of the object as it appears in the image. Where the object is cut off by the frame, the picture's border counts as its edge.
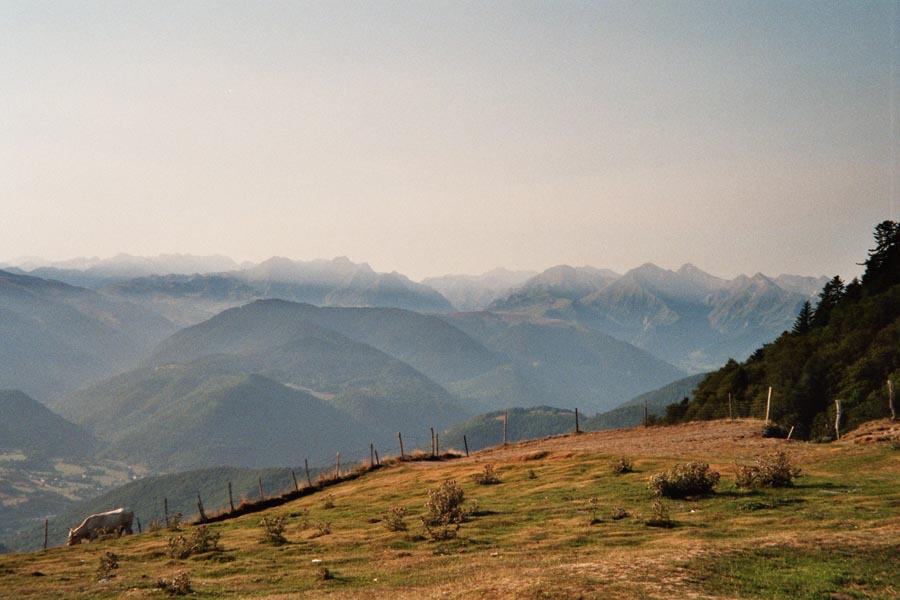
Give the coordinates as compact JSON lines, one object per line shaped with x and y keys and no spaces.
{"x":829,"y":297}
{"x":804,"y":319}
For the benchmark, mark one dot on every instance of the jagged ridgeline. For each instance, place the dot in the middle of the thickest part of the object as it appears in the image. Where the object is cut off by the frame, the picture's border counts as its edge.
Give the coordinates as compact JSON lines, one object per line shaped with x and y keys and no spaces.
{"x":845,"y":348}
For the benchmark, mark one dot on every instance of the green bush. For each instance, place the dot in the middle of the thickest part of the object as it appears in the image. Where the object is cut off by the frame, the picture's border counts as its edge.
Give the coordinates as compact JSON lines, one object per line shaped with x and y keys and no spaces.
{"x":180,"y":585}
{"x":621,"y":465}
{"x":273,"y":530}
{"x":771,"y":471}
{"x":445,"y":512}
{"x":394,"y":519}
{"x":200,"y":540}
{"x":487,"y":477}
{"x":685,"y":479}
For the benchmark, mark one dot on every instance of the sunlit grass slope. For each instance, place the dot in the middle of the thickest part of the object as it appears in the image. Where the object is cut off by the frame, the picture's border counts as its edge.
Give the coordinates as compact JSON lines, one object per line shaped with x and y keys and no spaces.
{"x":545,"y":531}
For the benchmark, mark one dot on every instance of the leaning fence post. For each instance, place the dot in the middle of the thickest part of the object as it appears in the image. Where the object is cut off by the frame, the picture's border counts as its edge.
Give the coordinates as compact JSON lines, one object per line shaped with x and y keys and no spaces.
{"x":377,"y":459}
{"x":400,"y":437}
{"x":466,"y":444}
{"x":791,"y":432}
{"x":230,"y":498}
{"x":200,"y":509}
{"x":294,"y":478}
{"x":768,"y":404}
{"x":46,"y":526}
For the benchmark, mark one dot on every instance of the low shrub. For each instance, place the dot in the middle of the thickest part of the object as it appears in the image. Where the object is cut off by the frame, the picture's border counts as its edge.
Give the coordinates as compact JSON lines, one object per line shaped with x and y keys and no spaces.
{"x":393,"y":520}
{"x":532,"y":474}
{"x":198,"y":541}
{"x":618,"y":513}
{"x":487,"y":477}
{"x":322,"y":528}
{"x":273,"y":530}
{"x":771,"y":471}
{"x":660,"y":516}
{"x":594,"y":510}
{"x":108,"y":563}
{"x":685,"y":479}
{"x":445,"y":512}
{"x":155,"y":525}
{"x":329,"y":502}
{"x":180,"y":585}
{"x":621,"y":465}
{"x":773,"y":430}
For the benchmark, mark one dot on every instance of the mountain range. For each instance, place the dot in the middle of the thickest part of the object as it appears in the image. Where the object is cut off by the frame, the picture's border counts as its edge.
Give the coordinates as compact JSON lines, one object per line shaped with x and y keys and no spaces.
{"x":686,"y":317}
{"x":274,"y":381}
{"x":56,"y":338}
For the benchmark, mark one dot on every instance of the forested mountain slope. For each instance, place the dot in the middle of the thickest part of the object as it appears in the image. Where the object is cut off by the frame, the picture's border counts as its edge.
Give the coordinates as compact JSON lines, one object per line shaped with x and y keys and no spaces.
{"x":845,"y":348}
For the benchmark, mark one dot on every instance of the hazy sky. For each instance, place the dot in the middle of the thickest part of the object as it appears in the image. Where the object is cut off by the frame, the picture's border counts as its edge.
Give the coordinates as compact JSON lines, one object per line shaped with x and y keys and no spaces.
{"x":434,"y":137}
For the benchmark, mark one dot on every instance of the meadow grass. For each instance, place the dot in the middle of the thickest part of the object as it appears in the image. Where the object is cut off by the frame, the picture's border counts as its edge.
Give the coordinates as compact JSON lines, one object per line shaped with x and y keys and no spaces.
{"x":534,"y":535}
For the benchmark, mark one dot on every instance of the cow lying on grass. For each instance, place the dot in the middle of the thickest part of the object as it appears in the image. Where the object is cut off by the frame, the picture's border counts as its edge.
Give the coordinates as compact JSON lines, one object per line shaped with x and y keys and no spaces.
{"x":118,"y":520}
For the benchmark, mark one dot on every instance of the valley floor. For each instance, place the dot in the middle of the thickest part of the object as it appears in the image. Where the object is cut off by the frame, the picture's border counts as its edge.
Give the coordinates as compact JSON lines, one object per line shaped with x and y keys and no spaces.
{"x":547,"y":530}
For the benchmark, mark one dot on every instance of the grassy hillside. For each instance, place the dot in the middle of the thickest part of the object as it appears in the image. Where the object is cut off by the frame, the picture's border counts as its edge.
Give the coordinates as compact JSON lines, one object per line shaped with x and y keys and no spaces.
{"x":146,"y":498}
{"x":559,"y":524}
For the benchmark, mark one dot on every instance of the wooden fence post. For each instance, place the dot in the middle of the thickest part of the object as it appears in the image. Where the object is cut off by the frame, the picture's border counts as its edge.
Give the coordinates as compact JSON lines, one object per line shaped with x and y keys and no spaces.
{"x":377,"y":459}
{"x":466,"y":444}
{"x":837,"y":419}
{"x":371,"y":456}
{"x":46,"y":526}
{"x":294,"y":478}
{"x":891,"y":399}
{"x":437,"y":444}
{"x":139,"y":524}
{"x":646,"y":414}
{"x":505,"y":421}
{"x":768,"y":404}
{"x":400,"y":437}
{"x":306,"y":466}
{"x":791,"y":432}
{"x":730,"y":411}
{"x":166,"y":511}
{"x":432,"y":441}
{"x":577,"y":428}
{"x":200,"y":509}
{"x":337,"y":466}
{"x":262,"y":494}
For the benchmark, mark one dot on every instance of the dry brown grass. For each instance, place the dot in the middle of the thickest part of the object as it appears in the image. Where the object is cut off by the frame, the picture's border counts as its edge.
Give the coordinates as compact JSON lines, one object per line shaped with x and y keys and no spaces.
{"x":531,"y":539}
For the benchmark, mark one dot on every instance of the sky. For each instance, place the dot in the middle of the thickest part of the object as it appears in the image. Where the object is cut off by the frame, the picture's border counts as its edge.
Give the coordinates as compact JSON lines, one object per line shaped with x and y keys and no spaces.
{"x":434,"y":137}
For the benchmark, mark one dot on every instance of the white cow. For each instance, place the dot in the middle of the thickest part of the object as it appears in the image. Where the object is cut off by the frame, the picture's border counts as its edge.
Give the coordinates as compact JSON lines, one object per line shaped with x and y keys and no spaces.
{"x":118,"y":520}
